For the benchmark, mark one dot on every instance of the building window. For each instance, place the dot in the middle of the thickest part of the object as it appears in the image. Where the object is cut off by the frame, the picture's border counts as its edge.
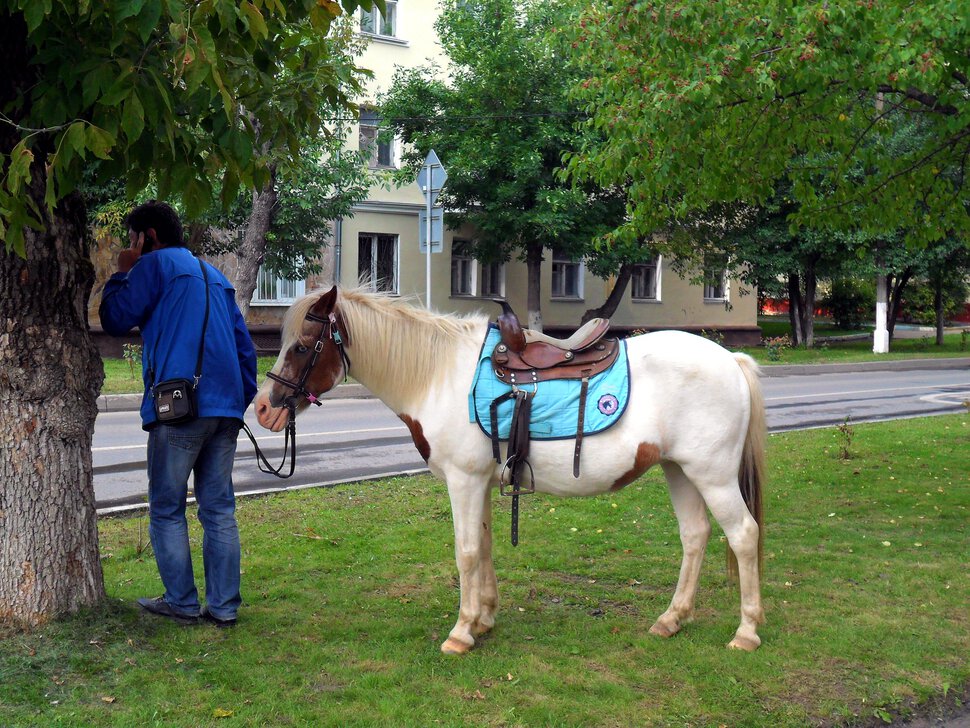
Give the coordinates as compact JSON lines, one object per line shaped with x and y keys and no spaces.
{"x":567,"y":276}
{"x":376,"y":23}
{"x":462,"y":269}
{"x":273,"y":290}
{"x":645,"y":281}
{"x":377,"y":261}
{"x":493,"y":280}
{"x":715,"y":279}
{"x":376,"y":145}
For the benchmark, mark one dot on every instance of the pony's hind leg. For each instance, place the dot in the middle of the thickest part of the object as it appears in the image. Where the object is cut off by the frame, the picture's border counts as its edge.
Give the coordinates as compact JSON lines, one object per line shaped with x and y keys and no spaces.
{"x":468,"y":497}
{"x":695,"y":530}
{"x":728,"y":507}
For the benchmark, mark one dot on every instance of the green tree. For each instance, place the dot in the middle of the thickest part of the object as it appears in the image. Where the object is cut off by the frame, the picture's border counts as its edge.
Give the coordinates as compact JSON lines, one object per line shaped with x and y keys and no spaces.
{"x":715,"y":102}
{"x":500,"y":123}
{"x":135,"y":89}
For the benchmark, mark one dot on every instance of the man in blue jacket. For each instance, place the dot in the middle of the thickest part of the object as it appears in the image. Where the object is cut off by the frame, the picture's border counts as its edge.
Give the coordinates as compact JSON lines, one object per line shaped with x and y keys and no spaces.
{"x":159,"y":288}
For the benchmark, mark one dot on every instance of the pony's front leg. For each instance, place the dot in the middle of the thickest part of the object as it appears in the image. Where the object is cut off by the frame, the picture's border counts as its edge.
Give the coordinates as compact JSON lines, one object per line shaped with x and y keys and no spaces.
{"x":468,"y":499}
{"x":489,"y":584}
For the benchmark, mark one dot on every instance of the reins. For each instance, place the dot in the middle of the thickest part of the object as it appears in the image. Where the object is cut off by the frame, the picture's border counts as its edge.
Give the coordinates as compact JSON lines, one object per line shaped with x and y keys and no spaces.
{"x":329,"y":331}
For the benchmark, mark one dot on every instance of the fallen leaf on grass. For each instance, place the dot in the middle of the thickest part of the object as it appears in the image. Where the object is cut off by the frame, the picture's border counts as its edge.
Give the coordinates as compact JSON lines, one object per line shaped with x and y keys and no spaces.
{"x":107,"y":699}
{"x":221,"y":713}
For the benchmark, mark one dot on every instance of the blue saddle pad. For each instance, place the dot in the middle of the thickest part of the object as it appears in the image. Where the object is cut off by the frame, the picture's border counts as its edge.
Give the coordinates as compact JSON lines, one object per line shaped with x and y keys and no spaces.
{"x":555,"y":407}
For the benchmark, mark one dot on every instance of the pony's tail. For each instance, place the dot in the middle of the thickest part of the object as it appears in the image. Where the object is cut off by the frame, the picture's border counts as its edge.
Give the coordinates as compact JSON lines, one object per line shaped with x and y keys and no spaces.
{"x":751,"y":470}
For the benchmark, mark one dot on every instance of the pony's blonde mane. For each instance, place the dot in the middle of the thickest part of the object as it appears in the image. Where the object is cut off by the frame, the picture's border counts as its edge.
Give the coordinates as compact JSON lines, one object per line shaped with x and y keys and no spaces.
{"x":394,"y":345}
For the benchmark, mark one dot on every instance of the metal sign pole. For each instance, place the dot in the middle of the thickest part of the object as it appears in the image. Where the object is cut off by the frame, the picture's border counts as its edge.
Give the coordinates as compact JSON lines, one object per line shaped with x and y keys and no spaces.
{"x":427,"y":268}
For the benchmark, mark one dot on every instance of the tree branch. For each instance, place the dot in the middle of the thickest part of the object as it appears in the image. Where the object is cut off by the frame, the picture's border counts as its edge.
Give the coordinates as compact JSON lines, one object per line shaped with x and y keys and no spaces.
{"x":928,"y":100}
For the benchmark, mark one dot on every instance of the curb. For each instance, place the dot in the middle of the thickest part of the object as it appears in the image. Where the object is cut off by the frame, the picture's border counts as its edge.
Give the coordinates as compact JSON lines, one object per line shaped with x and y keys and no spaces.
{"x":132,"y":402}
{"x":897,"y":365}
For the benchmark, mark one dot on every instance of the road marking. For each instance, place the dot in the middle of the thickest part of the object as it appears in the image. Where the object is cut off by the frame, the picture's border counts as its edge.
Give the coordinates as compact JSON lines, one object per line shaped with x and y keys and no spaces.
{"x":955,"y":398}
{"x":844,"y":393}
{"x":243,"y":439}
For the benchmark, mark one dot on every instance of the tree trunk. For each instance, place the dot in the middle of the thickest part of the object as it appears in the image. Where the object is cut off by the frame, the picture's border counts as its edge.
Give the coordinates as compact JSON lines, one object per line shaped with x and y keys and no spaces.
{"x":616,"y":295}
{"x":249,"y":254}
{"x":50,"y":377}
{"x":795,"y":309}
{"x":808,"y":307}
{"x":534,"y":268}
{"x":895,"y":285}
{"x":938,"y":307}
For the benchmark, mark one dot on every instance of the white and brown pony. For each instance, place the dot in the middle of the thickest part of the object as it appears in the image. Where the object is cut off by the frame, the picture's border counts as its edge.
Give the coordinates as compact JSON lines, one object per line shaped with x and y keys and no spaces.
{"x":695,"y":409}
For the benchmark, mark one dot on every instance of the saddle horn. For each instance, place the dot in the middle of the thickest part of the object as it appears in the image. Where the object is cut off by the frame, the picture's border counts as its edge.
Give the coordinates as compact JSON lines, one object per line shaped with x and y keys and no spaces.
{"x":509,"y":326}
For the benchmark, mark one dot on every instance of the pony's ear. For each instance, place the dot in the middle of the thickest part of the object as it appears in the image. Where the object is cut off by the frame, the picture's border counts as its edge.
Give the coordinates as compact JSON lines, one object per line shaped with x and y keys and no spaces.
{"x":324,"y":305}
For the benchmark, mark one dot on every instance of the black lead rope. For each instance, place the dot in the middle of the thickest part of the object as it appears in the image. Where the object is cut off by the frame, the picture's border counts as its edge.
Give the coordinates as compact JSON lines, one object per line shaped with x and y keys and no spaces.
{"x":289,"y":446}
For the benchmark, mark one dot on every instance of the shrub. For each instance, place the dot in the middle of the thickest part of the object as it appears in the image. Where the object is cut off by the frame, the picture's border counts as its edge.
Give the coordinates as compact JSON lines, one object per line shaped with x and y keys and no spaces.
{"x":919,"y":306}
{"x":851,"y":302}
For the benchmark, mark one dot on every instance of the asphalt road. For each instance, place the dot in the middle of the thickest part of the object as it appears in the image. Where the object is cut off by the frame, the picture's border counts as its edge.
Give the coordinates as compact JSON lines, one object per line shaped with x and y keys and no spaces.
{"x":357,"y":439}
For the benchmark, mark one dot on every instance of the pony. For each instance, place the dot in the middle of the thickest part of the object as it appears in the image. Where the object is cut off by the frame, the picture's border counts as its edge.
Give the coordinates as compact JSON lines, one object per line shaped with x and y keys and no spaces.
{"x":695,"y":409}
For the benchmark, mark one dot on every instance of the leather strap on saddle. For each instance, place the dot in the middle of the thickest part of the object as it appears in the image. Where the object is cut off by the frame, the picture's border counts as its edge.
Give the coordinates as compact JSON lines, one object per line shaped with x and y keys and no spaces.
{"x":518,"y":451}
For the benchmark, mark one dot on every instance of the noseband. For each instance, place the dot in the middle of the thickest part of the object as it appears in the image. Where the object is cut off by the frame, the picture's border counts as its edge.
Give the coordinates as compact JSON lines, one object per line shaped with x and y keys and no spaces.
{"x":329,"y":331}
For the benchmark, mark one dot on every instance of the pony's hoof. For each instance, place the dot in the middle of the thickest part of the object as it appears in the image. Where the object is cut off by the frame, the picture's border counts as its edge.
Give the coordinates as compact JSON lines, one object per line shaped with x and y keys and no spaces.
{"x":451,"y":646}
{"x":744,"y":643}
{"x":664,"y":629}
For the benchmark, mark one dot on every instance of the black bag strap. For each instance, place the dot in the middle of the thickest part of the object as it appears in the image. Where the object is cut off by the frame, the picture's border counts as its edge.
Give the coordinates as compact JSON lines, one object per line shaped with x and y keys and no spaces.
{"x":205,"y":325}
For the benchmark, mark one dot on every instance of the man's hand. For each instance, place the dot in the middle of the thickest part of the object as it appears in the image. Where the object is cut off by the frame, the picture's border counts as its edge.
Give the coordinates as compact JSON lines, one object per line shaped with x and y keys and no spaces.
{"x":130,"y":255}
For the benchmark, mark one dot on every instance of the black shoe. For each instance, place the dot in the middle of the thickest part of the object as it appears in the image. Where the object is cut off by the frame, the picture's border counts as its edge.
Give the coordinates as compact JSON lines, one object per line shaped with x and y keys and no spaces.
{"x":159,"y":606}
{"x":222,"y":622}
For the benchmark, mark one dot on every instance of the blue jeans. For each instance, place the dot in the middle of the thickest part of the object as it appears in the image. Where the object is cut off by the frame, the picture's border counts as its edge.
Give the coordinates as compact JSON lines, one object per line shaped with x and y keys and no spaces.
{"x":207,"y":447}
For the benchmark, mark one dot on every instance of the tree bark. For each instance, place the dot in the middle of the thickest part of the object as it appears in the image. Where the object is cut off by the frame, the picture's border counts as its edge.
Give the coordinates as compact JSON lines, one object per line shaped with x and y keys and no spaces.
{"x":795,"y":309}
{"x":534,"y":267}
{"x":50,"y":377}
{"x":896,"y":286}
{"x":249,"y":254}
{"x":938,"y":307}
{"x":616,"y":295}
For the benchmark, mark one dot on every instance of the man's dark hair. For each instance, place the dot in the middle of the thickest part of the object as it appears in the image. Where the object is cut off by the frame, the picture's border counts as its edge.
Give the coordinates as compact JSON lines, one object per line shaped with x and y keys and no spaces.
{"x":161,"y":217}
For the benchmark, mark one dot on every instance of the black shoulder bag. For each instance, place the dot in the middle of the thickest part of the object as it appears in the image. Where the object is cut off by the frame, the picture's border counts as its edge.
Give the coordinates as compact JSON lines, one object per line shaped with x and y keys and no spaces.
{"x":176,"y":399}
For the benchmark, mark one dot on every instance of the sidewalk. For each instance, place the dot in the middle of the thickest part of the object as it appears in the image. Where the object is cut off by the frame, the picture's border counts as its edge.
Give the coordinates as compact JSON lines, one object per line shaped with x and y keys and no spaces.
{"x":132,"y":402}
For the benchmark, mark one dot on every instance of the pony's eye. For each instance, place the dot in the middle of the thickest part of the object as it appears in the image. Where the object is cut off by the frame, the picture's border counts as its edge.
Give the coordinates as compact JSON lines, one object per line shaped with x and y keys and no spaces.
{"x":300,"y":349}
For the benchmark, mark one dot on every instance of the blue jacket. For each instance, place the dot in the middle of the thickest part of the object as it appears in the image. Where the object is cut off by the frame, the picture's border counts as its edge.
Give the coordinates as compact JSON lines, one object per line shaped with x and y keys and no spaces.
{"x":162,"y":295}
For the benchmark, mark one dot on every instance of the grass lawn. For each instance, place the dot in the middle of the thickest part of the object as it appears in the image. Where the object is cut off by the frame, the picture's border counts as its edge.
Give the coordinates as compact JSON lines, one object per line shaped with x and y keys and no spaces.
{"x":123,"y":377}
{"x":349,"y":592}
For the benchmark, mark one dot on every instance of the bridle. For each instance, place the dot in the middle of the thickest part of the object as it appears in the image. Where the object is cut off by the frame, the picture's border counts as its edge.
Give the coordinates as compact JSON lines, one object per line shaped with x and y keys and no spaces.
{"x":330,"y":331}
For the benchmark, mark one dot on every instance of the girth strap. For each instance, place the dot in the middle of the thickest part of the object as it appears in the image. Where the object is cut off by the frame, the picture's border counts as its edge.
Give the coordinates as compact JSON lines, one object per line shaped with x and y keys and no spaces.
{"x":582,"y":416}
{"x":518,"y":451}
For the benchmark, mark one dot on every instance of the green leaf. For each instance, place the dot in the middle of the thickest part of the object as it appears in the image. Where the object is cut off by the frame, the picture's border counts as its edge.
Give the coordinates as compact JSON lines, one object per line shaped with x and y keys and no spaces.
{"x":34,"y":13}
{"x":257,"y":25}
{"x":19,"y":170}
{"x":74,"y":138}
{"x":148,"y":19}
{"x":133,"y":118}
{"x":128,"y":8}
{"x":99,"y":142}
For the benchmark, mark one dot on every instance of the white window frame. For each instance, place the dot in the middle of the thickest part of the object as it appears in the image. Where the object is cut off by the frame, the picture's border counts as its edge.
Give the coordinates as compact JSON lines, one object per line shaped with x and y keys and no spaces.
{"x":370,"y":277}
{"x":656,"y":266}
{"x":266,"y":279}
{"x":463,"y":259}
{"x":378,"y":22}
{"x":369,"y":140}
{"x":566,"y":265}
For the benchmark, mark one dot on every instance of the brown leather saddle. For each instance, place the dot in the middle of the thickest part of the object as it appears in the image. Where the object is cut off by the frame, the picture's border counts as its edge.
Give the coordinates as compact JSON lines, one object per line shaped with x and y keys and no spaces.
{"x":524,"y":357}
